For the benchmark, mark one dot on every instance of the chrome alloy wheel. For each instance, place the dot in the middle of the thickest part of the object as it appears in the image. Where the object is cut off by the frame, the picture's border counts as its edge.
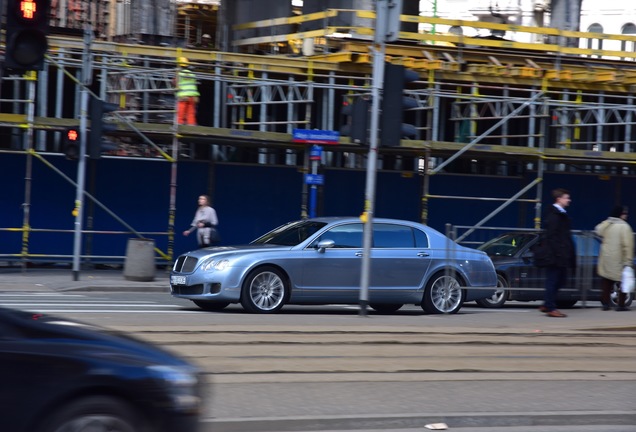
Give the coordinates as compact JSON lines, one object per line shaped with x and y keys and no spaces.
{"x":498,"y":297}
{"x":265,"y":291}
{"x":614,"y":297}
{"x":443,"y":295}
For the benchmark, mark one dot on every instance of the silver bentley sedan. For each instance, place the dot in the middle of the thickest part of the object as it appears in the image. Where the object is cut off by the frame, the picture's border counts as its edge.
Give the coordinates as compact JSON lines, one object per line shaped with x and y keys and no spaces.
{"x":318,"y":261}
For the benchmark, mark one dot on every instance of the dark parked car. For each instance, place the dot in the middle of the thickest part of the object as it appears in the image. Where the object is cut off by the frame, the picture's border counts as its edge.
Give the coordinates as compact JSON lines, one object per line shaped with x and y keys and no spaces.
{"x":63,"y":376}
{"x":318,"y":261}
{"x":519,"y":279}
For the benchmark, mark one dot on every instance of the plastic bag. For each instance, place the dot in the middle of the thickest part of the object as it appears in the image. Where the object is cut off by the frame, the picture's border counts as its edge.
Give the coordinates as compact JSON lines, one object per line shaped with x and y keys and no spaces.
{"x":627,"y":280}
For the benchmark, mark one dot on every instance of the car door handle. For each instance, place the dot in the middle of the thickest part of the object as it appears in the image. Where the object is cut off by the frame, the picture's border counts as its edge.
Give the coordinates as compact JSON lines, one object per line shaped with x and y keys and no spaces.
{"x":359,"y":254}
{"x":422,"y":254}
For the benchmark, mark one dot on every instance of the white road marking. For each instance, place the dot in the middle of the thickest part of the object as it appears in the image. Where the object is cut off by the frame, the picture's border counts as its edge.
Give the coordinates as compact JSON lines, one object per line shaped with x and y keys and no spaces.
{"x":40,"y":295}
{"x":40,"y":304}
{"x":94,"y":311}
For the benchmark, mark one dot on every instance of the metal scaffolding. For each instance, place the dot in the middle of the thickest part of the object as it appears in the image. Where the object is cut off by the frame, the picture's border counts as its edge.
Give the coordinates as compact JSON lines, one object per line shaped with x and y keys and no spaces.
{"x":518,"y":106}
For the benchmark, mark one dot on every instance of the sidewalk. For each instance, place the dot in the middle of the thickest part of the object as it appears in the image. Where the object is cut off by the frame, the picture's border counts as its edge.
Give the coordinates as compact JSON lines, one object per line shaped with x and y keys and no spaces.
{"x":112,"y":279}
{"x":14,"y":279}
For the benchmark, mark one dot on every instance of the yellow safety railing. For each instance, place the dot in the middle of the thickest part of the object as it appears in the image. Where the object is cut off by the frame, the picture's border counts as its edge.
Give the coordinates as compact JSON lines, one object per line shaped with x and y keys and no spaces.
{"x":556,"y":36}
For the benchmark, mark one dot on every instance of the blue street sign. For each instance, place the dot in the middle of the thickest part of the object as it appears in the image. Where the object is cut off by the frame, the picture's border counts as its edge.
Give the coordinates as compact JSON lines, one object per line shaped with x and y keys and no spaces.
{"x":311,"y":136}
{"x":314,"y":179}
{"x":315,"y":153}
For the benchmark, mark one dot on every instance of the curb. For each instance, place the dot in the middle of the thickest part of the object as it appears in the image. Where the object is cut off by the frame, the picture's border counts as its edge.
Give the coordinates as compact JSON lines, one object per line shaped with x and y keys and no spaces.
{"x":406,"y":421}
{"x":119,"y":288}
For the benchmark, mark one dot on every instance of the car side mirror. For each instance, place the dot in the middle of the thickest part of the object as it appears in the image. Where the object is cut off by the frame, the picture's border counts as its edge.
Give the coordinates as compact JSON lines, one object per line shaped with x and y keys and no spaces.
{"x":324,"y":244}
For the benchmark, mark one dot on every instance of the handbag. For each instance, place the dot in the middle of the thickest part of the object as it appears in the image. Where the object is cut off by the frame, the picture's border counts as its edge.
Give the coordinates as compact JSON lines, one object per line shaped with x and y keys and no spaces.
{"x":627,"y":279}
{"x":214,"y":235}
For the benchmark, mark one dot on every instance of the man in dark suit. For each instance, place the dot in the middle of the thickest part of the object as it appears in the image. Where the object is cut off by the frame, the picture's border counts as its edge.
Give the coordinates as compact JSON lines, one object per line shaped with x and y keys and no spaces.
{"x":556,"y":225}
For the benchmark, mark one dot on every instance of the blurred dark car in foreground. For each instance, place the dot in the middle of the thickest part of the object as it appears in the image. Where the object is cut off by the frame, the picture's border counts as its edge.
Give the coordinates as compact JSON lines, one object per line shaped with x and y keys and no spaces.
{"x":519,"y":279}
{"x":318,"y":261}
{"x":64,"y":376}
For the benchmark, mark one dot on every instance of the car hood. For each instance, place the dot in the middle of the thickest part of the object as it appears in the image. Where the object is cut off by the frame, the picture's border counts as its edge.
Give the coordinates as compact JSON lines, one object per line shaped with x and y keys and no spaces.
{"x":94,"y":341}
{"x":231,"y":250}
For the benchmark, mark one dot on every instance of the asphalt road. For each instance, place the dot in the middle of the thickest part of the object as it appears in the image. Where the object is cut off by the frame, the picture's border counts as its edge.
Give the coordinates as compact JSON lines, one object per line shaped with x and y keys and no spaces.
{"x":328,"y":369}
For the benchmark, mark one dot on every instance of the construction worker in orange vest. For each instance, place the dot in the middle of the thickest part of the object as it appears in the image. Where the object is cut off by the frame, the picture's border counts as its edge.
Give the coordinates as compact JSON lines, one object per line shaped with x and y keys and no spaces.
{"x":187,"y":94}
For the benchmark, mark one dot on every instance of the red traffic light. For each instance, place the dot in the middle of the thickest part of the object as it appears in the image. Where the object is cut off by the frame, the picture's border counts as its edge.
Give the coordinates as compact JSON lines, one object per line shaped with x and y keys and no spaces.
{"x":26,"y":33}
{"x":71,"y":144}
{"x":72,"y":135}
{"x":28,"y":10}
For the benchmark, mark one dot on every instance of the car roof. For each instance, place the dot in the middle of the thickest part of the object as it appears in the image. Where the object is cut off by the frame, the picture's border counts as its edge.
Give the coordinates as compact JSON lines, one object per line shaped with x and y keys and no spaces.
{"x":330,"y":219}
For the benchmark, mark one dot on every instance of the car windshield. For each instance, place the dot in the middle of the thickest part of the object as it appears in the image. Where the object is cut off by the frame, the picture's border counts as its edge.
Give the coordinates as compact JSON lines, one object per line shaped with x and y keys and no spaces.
{"x":507,"y":244}
{"x":290,"y":234}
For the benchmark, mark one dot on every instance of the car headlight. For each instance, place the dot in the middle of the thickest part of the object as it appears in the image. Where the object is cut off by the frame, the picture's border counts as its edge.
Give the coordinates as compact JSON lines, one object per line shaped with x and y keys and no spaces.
{"x":215,"y":264}
{"x":182,"y":383}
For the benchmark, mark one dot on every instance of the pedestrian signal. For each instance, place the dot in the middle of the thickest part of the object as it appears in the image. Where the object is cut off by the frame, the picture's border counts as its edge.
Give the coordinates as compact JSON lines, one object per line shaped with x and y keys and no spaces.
{"x":71,"y":144}
{"x":72,"y":135}
{"x":27,"y":28}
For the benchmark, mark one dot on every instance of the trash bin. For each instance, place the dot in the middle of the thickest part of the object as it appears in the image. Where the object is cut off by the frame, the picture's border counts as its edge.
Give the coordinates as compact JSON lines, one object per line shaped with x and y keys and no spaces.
{"x":140,"y":260}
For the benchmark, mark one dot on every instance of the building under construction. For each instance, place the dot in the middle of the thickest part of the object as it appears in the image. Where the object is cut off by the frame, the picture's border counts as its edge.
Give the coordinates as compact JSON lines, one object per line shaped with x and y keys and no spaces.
{"x":536,"y":114}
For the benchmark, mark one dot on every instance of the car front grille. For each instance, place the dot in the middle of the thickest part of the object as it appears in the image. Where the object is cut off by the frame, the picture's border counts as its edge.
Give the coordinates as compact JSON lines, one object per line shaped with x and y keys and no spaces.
{"x":187,"y":290}
{"x":185,"y":264}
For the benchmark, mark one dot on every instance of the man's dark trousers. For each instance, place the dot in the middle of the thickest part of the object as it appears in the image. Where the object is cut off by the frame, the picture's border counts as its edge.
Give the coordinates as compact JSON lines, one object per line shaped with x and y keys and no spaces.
{"x":554,"y":279}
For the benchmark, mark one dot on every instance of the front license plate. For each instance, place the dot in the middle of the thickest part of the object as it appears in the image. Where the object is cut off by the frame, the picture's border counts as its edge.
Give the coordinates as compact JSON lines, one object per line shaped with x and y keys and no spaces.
{"x":178,"y":280}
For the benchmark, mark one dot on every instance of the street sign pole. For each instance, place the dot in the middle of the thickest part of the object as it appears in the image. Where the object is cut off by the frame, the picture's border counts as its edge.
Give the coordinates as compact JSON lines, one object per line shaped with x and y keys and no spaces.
{"x":386,"y":23}
{"x":315,"y":156}
{"x":315,"y":137}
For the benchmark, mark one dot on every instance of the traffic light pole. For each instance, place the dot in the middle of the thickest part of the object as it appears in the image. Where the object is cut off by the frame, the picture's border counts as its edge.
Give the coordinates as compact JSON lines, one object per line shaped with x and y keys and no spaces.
{"x":78,"y":211}
{"x":31,"y":81}
{"x":387,"y":28}
{"x":372,"y":161}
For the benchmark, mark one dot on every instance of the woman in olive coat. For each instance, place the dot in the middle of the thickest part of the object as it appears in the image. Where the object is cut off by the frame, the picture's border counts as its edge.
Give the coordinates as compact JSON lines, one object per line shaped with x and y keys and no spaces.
{"x":617,"y":251}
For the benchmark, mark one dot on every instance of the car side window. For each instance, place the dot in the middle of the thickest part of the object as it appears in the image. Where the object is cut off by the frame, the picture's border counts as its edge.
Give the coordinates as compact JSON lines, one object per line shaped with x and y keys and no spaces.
{"x":393,"y":236}
{"x":421,"y":239}
{"x":345,"y":236}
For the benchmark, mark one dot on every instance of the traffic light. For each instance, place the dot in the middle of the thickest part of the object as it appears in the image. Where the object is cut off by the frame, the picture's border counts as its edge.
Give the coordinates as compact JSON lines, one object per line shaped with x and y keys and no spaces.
{"x":96,"y":143}
{"x":71,"y":144}
{"x":392,"y":130}
{"x":356,"y":122}
{"x":27,"y":27}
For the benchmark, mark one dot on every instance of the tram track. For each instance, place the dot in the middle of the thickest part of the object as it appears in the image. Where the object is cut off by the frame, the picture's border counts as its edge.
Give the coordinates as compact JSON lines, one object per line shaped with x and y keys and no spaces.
{"x":263,"y":356}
